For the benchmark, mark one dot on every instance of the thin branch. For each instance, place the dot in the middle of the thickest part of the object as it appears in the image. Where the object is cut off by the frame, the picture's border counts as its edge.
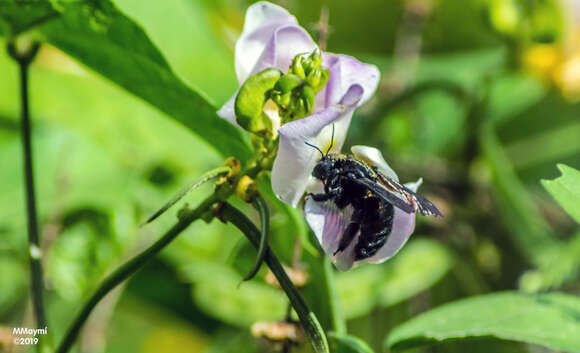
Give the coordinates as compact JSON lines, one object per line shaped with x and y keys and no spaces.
{"x":307,"y":318}
{"x":323,"y":28}
{"x":24,"y":57}
{"x":204,"y":178}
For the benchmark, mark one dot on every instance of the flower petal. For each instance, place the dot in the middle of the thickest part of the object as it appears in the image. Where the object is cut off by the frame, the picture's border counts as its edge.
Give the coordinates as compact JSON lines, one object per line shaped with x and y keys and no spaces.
{"x":295,"y":160}
{"x":262,"y":20}
{"x":346,"y":71}
{"x":414,"y":186}
{"x":328,"y":224}
{"x":227,"y":110}
{"x":286,"y":42}
{"x":374,"y":157}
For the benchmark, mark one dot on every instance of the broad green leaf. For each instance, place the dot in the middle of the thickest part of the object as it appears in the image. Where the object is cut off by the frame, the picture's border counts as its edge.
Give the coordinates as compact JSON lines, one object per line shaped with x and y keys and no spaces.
{"x":16,"y":16}
{"x":342,"y":343}
{"x":566,"y":190}
{"x":551,"y":320}
{"x":99,"y":36}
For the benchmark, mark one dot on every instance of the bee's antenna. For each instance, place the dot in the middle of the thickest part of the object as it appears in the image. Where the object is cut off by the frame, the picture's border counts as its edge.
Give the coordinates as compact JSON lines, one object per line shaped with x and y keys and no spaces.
{"x":316,"y":148}
{"x":331,"y":141}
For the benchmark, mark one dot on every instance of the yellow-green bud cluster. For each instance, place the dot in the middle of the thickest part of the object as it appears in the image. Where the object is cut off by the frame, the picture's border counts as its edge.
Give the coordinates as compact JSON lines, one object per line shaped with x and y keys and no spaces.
{"x":294,"y":93}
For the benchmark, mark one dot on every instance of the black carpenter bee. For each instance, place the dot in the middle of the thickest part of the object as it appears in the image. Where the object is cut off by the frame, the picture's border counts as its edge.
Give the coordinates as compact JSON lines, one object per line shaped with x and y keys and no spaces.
{"x":349,"y":181}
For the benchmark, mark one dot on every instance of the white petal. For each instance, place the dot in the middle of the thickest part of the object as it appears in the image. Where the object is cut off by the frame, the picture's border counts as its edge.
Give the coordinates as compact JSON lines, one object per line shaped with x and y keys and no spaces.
{"x":328,"y":224}
{"x":227,"y":110}
{"x":262,"y":20}
{"x":414,"y":186}
{"x":403,"y":226}
{"x":295,"y":160}
{"x":374,"y":157}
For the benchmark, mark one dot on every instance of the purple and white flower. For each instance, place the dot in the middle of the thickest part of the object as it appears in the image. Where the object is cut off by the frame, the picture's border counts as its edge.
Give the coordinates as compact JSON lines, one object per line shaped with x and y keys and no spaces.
{"x":272,"y":38}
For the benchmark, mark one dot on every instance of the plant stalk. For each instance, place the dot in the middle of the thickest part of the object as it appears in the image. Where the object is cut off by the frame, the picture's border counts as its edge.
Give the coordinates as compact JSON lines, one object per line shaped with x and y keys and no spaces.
{"x":24,"y":57}
{"x":307,"y":318}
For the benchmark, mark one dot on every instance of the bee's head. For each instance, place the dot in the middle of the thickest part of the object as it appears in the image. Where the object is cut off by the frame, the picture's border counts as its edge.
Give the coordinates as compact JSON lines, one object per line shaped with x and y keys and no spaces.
{"x":323,"y":168}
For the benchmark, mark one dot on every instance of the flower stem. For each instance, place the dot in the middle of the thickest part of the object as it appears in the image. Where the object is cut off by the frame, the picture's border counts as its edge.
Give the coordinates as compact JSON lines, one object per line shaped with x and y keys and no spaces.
{"x":24,"y":57}
{"x":130,"y":267}
{"x":307,"y":318}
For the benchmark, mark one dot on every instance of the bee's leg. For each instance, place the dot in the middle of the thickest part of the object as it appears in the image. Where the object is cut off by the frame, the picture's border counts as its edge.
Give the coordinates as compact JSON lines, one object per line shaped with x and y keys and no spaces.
{"x":321,"y":197}
{"x":330,"y":194}
{"x":347,"y":237}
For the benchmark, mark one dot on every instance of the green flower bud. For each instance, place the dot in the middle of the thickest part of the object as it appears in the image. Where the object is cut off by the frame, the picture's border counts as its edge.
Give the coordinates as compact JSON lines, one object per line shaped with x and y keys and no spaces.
{"x":316,"y":58}
{"x":308,"y":97}
{"x":249,"y":104}
{"x":314,"y":77}
{"x":287,"y":83}
{"x":295,"y":92}
{"x":324,"y":76}
{"x":313,"y":62}
{"x":298,"y":66}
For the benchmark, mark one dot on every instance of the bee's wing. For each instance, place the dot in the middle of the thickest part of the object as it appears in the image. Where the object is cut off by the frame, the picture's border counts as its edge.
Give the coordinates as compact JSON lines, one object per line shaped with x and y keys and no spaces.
{"x":328,"y":223}
{"x":399,"y":196}
{"x":391,"y":196}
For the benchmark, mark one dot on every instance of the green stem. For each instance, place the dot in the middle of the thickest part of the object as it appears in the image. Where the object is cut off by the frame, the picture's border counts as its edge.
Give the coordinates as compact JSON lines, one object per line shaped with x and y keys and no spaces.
{"x":204,"y":178}
{"x":307,"y":318}
{"x":24,"y":58}
{"x":338,"y":322}
{"x":129,"y":268}
{"x":260,"y":204}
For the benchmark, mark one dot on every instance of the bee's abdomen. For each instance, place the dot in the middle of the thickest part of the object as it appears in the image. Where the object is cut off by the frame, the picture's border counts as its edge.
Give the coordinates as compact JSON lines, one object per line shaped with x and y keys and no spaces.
{"x":374,"y":231}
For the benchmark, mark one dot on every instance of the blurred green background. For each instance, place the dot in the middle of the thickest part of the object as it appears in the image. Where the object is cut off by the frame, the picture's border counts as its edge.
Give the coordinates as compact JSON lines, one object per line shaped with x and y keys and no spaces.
{"x":480,"y":98}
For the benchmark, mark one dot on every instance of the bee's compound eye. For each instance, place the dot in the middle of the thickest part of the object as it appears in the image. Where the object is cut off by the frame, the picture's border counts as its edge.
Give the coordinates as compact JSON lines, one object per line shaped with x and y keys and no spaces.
{"x":319,"y":171}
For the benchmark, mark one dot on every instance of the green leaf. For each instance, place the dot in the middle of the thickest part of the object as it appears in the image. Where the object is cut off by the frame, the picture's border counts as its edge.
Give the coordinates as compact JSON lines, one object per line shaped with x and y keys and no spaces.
{"x":341,"y":343}
{"x":19,"y":16}
{"x":551,"y":320}
{"x":98,"y":35}
{"x":566,"y":190}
